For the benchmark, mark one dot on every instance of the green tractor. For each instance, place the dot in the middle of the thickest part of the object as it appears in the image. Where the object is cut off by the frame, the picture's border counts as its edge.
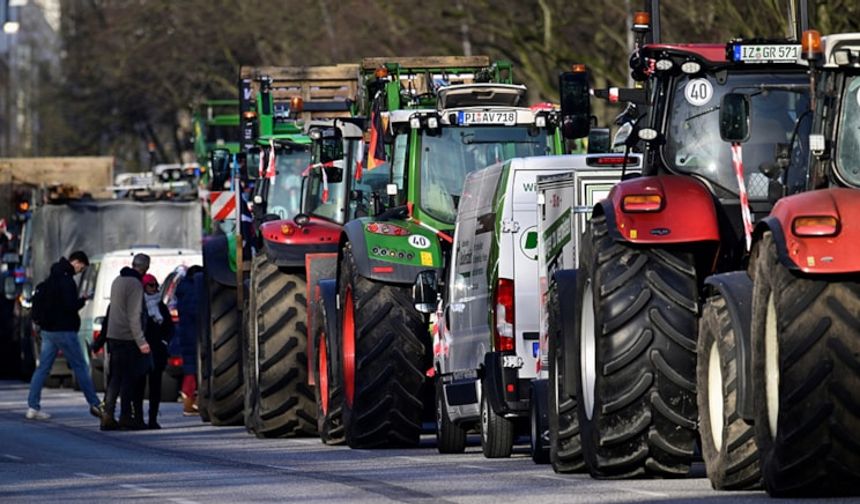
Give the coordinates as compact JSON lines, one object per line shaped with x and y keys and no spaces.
{"x":432,"y":121}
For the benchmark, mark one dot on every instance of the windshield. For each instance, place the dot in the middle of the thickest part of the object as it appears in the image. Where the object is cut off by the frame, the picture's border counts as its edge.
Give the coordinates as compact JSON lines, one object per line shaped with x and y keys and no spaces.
{"x":454,"y":152}
{"x":284,"y":197}
{"x":848,"y":141}
{"x":693,"y":143}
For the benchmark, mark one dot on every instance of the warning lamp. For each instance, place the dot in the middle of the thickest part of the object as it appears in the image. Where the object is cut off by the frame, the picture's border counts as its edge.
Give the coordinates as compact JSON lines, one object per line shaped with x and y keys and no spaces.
{"x":381,"y":72}
{"x":815,"y":226}
{"x":23,"y":206}
{"x":249,"y":115}
{"x":296,"y":104}
{"x":578,"y":68}
{"x":641,"y":21}
{"x":810,"y":44}
{"x":642,"y":203}
{"x":288,"y":229}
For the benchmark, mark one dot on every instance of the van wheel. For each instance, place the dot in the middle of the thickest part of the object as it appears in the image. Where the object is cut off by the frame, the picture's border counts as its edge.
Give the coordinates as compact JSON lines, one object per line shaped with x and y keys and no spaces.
{"x":539,"y":429}
{"x":385,"y":350}
{"x":497,"y":432}
{"x":226,"y":403}
{"x":805,"y":375}
{"x":284,"y":403}
{"x":728,"y":442}
{"x":637,"y":358}
{"x":565,"y":446}
{"x":329,"y":386}
{"x":450,"y":436}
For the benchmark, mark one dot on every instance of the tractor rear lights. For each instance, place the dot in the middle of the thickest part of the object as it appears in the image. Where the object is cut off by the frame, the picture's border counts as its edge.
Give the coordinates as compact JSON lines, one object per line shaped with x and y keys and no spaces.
{"x":425,"y":120}
{"x":648,"y":134}
{"x":641,"y":21}
{"x":664,"y":65}
{"x":386,"y":229}
{"x":288,"y":229}
{"x":810,"y":44}
{"x":610,"y":161}
{"x":504,"y":316}
{"x":846,"y":57}
{"x":636,"y":203}
{"x":174,"y":362}
{"x":815,"y":226}
{"x":817,"y":144}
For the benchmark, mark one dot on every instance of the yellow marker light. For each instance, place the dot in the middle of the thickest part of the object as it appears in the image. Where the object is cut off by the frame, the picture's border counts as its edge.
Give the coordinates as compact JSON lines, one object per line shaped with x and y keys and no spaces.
{"x":426,"y":259}
{"x":642,"y":203}
{"x":815,"y":226}
{"x":287,"y":229}
{"x":634,"y":234}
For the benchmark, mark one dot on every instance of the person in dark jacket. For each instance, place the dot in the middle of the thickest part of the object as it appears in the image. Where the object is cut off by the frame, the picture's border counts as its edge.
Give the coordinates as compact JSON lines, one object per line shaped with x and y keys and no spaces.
{"x":158,"y":333}
{"x":187,"y":304}
{"x":128,"y":347}
{"x":59,"y":331}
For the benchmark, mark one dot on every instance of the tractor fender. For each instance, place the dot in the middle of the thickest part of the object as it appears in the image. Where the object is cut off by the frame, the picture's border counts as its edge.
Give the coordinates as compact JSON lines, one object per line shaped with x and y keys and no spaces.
{"x":565,"y":281}
{"x":687,"y":213}
{"x":816,"y":254}
{"x":317,"y":236}
{"x":216,"y":260}
{"x":736,"y":288}
{"x":381,"y":270}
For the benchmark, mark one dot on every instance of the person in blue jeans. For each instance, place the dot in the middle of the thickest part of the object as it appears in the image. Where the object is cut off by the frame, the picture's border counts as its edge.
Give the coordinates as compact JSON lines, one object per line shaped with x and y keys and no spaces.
{"x":59,"y":323}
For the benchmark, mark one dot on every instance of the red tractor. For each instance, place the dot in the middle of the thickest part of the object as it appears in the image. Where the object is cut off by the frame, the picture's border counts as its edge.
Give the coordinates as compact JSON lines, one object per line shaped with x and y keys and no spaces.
{"x":800,"y":308}
{"x":625,"y":366}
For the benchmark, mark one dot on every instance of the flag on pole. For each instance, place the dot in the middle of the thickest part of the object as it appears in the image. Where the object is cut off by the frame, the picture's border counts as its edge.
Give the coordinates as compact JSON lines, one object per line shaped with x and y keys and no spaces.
{"x":262,"y":164}
{"x":325,"y":184}
{"x":376,"y":151}
{"x":359,"y":160}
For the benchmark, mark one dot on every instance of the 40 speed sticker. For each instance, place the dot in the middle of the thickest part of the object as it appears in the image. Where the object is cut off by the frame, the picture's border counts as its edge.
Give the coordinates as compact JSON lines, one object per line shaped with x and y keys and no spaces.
{"x":419,"y":241}
{"x":698,"y":92}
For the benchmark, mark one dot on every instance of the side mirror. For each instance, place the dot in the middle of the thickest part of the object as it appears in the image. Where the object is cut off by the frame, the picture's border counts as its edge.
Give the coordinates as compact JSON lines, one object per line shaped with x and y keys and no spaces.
{"x":9,"y":288}
{"x":575,"y":104}
{"x":425,"y":292}
{"x":735,"y":117}
{"x":599,"y":141}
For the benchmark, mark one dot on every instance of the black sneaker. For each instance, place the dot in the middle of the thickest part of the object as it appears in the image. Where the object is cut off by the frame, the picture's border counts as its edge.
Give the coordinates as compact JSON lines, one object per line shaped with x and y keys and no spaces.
{"x":153,"y":425}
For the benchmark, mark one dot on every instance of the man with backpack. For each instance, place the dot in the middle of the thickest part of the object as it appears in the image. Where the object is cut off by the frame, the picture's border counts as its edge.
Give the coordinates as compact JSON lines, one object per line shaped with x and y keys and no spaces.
{"x":55,"y":310}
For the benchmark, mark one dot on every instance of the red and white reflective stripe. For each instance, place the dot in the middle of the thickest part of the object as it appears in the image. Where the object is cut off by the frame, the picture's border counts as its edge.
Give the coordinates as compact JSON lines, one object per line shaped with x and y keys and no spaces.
{"x":325,"y":186}
{"x":613,"y":95}
{"x":222,"y":204}
{"x":738,"y":162}
{"x":359,"y":160}
{"x":270,"y":172}
{"x":441,"y":234}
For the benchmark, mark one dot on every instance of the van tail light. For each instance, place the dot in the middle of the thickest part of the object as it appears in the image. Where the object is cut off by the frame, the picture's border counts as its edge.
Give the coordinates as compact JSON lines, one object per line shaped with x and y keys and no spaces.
{"x":504,"y":315}
{"x":174,"y":315}
{"x":174,"y":362}
{"x":815,"y":226}
{"x":96,"y":334}
{"x":642,"y":203}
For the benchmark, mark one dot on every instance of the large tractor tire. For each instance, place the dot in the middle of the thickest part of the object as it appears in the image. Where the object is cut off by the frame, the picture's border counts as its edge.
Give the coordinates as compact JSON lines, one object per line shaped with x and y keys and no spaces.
{"x":637,"y":358}
{"x":806,"y":374}
{"x":328,"y":380}
{"x":283,"y":402}
{"x":385,"y":351}
{"x":450,"y":436}
{"x":565,"y":446}
{"x":728,"y":442}
{"x":225,"y":404}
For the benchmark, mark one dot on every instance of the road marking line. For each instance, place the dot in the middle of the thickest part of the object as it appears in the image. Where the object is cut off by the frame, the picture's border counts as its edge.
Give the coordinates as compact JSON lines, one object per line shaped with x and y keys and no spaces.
{"x":643,"y":492}
{"x":180,"y":500}
{"x":552,"y":477}
{"x":12,"y":457}
{"x":412,"y":459}
{"x":136,"y":488}
{"x":86,"y":475}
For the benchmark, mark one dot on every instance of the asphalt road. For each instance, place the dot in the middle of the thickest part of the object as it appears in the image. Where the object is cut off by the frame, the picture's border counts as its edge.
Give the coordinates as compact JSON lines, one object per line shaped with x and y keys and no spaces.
{"x":67,"y":459}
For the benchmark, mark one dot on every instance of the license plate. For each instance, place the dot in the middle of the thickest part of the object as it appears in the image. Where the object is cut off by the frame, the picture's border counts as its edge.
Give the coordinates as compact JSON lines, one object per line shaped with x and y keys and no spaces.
{"x":787,"y":53}
{"x":481,"y":117}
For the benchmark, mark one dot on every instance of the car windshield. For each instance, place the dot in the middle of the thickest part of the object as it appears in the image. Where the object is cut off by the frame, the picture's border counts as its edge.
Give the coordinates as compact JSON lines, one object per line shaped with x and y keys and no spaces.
{"x":450,"y":154}
{"x":693,"y":144}
{"x":284,"y":197}
{"x":848,"y":141}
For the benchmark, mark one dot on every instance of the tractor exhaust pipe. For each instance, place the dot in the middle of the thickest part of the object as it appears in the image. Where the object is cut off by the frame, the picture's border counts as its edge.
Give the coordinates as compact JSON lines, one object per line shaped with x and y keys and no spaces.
{"x":654,"y":36}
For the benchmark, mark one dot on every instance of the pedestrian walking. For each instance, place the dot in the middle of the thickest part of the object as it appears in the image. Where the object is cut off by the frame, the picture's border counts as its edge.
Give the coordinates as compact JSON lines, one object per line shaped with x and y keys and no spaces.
{"x":187,"y":304}
{"x":55,"y":310}
{"x":126,"y":343}
{"x":158,"y":333}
